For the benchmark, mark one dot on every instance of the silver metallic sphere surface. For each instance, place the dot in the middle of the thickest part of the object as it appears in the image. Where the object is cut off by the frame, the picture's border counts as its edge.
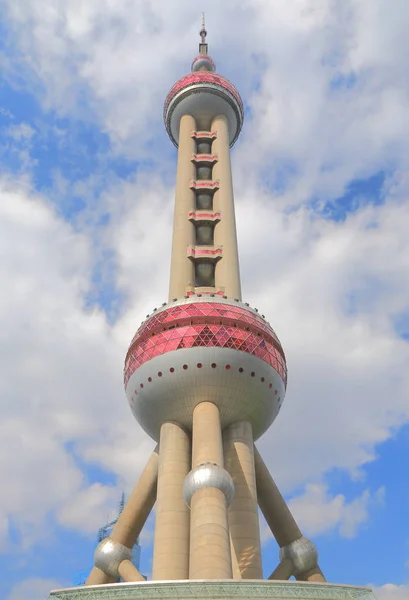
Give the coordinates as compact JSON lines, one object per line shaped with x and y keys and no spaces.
{"x":109,"y":555}
{"x":208,"y":475}
{"x":302,"y":553}
{"x":203,"y":63}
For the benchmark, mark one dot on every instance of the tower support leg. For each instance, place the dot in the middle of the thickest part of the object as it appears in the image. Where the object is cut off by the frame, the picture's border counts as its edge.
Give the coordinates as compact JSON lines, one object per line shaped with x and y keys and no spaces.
{"x":171,"y":542}
{"x":292,"y":544}
{"x":182,"y":271}
{"x":283,"y":570}
{"x":243,"y":512}
{"x":209,"y":534}
{"x":227,"y":273}
{"x":273,"y":506}
{"x":314,"y":574}
{"x":129,"y":572}
{"x":133,"y":517}
{"x":98,"y":577}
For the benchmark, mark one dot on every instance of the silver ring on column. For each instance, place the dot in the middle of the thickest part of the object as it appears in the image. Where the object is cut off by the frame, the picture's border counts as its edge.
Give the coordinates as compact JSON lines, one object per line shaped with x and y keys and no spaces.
{"x":302,"y":553}
{"x":109,"y":555}
{"x":208,"y":475}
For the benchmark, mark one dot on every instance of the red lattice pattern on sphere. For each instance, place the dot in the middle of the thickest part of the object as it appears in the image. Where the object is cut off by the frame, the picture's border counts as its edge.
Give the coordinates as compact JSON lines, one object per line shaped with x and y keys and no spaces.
{"x":205,"y":324}
{"x":203,"y":77}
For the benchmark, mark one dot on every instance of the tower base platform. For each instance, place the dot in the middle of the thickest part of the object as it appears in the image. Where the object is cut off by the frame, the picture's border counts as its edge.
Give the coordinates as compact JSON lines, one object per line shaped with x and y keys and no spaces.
{"x":217,"y":590}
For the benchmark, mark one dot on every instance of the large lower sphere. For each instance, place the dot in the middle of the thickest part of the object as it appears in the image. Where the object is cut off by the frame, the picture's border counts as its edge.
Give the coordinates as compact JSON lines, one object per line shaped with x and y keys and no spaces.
{"x":205,"y":350}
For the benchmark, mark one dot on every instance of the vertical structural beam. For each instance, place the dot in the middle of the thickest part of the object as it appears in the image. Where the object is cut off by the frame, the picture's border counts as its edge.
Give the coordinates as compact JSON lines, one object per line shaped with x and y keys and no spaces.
{"x":209,"y":535}
{"x":171,"y":541}
{"x":182,"y":272}
{"x":133,"y":517}
{"x":243,"y":512}
{"x":227,"y":273}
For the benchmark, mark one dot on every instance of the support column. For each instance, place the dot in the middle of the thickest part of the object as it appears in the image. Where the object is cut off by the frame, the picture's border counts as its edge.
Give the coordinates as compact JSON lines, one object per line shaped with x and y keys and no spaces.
{"x":273,"y":506}
{"x":133,"y":517}
{"x":314,"y":574}
{"x":243,"y":512}
{"x":129,"y":572}
{"x":209,"y":534}
{"x":227,"y":273}
{"x":284,"y":527}
{"x":283,"y":570}
{"x":171,"y":542}
{"x":98,"y":577}
{"x":182,"y":272}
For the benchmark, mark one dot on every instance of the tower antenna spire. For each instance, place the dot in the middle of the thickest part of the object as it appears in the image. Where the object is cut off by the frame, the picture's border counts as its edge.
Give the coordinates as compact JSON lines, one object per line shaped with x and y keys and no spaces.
{"x":203,"y":34}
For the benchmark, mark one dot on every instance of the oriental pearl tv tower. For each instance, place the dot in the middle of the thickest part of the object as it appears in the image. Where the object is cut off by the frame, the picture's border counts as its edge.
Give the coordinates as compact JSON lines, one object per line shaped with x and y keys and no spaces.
{"x":205,"y":376}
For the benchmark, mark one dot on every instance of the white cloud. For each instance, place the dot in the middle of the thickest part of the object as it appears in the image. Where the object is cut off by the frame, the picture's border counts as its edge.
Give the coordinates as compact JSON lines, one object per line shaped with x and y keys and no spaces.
{"x":89,"y":508}
{"x":22,"y":131}
{"x":34,"y":588}
{"x":333,"y":291}
{"x":390,"y":591}
{"x":318,"y":512}
{"x":61,"y":375}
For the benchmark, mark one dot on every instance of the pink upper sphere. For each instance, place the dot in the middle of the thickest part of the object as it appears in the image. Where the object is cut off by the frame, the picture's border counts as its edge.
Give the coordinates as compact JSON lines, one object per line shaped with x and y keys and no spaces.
{"x":201,"y":77}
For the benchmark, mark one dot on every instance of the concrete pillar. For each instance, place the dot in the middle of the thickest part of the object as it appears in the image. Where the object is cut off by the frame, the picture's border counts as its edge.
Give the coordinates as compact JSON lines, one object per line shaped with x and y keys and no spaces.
{"x":139,"y":505}
{"x":129,"y":572}
{"x":134,"y":515}
{"x":314,"y":574}
{"x":98,"y":577}
{"x":278,"y":515}
{"x":207,"y":445}
{"x":243,"y":512}
{"x":273,"y":506}
{"x":182,"y":272}
{"x":171,"y":542}
{"x":283,"y":570}
{"x":210,"y":556}
{"x":227,"y":273}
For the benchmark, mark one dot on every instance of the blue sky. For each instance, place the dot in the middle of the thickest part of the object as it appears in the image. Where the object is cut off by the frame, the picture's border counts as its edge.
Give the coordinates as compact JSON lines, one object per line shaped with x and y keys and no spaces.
{"x":86,"y":179}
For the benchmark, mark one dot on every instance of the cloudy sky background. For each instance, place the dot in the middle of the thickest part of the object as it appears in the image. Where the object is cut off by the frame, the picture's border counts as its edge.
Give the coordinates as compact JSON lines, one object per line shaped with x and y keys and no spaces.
{"x":86,"y":197}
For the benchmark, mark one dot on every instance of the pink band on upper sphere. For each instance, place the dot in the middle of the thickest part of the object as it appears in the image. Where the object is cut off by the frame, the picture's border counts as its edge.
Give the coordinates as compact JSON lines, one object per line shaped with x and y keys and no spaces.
{"x":205,"y":324}
{"x":203,"y":77}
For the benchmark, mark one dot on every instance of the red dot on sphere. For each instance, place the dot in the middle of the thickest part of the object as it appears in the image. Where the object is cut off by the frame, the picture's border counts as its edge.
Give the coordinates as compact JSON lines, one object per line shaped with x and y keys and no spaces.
{"x":275,"y":391}
{"x":270,"y":385}
{"x":185,"y":367}
{"x":252,"y":373}
{"x":228,"y":367}
{"x":262,"y":380}
{"x":241,"y":370}
{"x":149,"y":379}
{"x":199,"y":365}
{"x":160,"y":374}
{"x":141,"y":385}
{"x":172,"y":370}
{"x":214,"y":365}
